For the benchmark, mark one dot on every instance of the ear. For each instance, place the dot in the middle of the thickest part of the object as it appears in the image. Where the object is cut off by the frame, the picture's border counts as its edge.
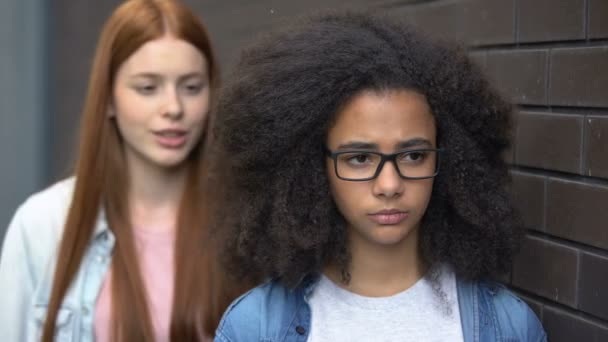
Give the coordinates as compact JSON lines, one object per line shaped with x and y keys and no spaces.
{"x":111,"y":111}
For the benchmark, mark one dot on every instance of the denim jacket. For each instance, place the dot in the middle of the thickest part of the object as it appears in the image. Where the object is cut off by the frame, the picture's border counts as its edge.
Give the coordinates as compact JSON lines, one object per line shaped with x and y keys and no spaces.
{"x":27,"y":268}
{"x":271,"y":313}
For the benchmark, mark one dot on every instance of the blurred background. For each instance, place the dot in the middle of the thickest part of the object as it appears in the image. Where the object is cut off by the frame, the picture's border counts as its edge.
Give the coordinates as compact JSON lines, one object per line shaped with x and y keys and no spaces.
{"x":550,"y":57}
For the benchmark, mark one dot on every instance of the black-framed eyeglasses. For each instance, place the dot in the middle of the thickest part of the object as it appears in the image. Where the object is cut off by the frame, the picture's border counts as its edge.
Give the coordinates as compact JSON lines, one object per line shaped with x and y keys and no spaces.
{"x":357,"y":165}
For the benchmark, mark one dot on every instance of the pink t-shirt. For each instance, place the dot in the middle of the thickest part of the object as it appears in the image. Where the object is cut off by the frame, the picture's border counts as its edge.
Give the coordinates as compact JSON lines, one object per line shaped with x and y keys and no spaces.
{"x":155,"y":252}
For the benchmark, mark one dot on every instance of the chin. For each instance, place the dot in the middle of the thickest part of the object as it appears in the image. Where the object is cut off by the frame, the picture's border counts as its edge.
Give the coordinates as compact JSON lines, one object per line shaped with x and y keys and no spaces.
{"x":389,"y":241}
{"x":389,"y":235}
{"x":170,"y":163}
{"x":385,"y":238}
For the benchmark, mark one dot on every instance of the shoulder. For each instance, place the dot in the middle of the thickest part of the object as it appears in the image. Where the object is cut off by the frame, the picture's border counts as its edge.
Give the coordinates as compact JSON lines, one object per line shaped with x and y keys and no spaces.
{"x":256,"y":312}
{"x":40,"y":219}
{"x":512,"y":314}
{"x":54,"y":199}
{"x":47,"y":207}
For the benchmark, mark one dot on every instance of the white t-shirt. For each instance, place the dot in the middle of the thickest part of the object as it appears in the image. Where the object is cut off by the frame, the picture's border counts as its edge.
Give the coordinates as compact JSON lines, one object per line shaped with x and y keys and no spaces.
{"x":427,"y":311}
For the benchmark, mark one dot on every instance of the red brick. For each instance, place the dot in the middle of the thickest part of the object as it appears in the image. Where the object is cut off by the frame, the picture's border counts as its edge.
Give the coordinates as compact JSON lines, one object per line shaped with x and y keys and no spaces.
{"x":598,"y":23}
{"x":562,"y":326}
{"x":547,"y":269}
{"x":577,"y":211}
{"x":593,"y":285}
{"x":548,"y":20}
{"x":596,"y":135}
{"x":519,"y":74}
{"x":528,"y":192}
{"x":579,"y":77}
{"x":550,"y":141}
{"x":475,"y":22}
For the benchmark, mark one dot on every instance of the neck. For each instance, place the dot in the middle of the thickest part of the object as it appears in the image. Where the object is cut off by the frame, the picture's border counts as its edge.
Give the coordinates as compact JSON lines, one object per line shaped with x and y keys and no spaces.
{"x":381,"y":270}
{"x":154,"y":196}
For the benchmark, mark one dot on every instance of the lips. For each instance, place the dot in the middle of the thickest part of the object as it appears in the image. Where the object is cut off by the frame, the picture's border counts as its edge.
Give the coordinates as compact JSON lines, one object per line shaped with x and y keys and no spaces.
{"x":389,"y":216}
{"x":171,"y":138}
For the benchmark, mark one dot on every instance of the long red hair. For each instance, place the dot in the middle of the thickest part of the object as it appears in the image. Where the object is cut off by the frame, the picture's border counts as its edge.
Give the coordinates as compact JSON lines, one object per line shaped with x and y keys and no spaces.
{"x":201,"y":293}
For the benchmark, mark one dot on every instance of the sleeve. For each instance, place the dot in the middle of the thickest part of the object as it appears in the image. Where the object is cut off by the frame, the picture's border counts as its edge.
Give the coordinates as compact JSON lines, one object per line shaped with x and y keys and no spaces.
{"x":16,"y":281}
{"x":241,"y":321}
{"x":536,"y":333}
{"x":516,"y":318}
{"x":221,"y":336}
{"x":225,"y":331}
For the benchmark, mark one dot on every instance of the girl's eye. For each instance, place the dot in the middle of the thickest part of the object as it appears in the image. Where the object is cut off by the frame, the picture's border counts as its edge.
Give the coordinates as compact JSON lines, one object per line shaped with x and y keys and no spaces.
{"x":193,"y":88}
{"x":416,"y":155}
{"x":145,"y":89}
{"x":357,"y":159}
{"x":413,"y":157}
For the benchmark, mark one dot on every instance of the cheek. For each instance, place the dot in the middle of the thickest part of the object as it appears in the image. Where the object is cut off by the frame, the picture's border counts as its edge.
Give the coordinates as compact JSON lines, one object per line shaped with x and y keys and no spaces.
{"x":346,"y":195}
{"x":334,"y":186}
{"x":130,"y":124}
{"x":421,"y":193}
{"x":197,"y":108}
{"x":132,"y":109}
{"x":128,"y":121}
{"x":196,"y":116}
{"x":132,"y":117}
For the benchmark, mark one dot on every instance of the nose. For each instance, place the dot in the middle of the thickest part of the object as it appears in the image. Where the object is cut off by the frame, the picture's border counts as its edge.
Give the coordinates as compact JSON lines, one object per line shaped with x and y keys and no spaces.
{"x":388,"y":183}
{"x":173,"y":107}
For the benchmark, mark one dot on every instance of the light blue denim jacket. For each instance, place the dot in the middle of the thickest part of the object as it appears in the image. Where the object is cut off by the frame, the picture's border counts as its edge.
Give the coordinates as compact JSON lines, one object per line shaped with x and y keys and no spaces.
{"x":27,"y":265}
{"x":271,"y":313}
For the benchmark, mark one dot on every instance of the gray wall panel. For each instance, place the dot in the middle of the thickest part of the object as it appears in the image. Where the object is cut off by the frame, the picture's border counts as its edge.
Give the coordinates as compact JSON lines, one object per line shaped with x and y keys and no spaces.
{"x":22,"y":103}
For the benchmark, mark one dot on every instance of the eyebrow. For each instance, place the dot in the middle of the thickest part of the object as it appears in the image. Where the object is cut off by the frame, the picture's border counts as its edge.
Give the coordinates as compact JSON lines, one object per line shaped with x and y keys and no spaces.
{"x":362,"y":145}
{"x":416,"y":142}
{"x":156,"y":76}
{"x":358,"y":145}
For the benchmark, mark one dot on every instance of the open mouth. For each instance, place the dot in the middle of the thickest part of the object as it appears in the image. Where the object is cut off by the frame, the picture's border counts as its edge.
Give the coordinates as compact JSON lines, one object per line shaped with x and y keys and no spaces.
{"x":171,"y":138}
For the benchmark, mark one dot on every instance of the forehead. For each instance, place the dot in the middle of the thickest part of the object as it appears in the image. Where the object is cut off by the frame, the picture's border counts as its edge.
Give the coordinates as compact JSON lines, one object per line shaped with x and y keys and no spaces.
{"x":165,"y":55}
{"x":385,"y":118}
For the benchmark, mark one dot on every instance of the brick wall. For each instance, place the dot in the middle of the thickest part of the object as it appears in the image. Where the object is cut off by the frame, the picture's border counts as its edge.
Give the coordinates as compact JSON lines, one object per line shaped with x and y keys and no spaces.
{"x":550,"y":57}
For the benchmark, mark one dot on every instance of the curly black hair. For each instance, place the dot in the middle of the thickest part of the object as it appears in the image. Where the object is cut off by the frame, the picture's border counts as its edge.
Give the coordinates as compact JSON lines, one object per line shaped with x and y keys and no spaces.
{"x":276,"y":211}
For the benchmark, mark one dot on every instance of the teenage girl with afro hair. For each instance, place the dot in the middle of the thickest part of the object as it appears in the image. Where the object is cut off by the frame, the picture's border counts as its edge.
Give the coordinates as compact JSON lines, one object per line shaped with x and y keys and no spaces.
{"x":363,"y":184}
